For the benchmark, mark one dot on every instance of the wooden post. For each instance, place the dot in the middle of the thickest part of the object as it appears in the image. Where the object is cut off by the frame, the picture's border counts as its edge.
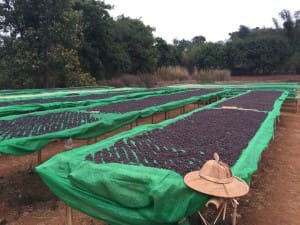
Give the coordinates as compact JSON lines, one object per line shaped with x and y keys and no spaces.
{"x":234,"y":214}
{"x":203,"y":219}
{"x":152,"y":119}
{"x":39,"y":157}
{"x":69,"y":215}
{"x":166,"y":116}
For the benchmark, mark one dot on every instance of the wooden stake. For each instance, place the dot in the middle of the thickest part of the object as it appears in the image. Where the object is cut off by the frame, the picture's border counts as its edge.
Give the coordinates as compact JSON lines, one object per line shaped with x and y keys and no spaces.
{"x":39,"y":157}
{"x":234,"y":214}
{"x":69,"y":215}
{"x":203,"y":219}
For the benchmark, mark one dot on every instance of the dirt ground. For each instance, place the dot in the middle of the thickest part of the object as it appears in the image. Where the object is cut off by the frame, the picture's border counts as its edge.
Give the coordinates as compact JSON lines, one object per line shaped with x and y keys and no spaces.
{"x":274,"y":196}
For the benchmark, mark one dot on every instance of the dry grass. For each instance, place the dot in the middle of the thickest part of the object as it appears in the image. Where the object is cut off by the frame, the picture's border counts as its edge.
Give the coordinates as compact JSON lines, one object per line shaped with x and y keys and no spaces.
{"x":210,"y":76}
{"x":166,"y":76}
{"x":129,"y":80}
{"x":172,"y":73}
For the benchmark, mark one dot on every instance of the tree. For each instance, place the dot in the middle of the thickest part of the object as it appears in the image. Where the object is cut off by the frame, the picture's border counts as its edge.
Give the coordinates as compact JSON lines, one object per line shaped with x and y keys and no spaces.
{"x":166,"y":53}
{"x":138,"y":41}
{"x":206,"y":56}
{"x":242,"y":33}
{"x":100,"y":53}
{"x":41,"y":39}
{"x":291,"y":27}
{"x":198,"y":40}
{"x":260,"y":55}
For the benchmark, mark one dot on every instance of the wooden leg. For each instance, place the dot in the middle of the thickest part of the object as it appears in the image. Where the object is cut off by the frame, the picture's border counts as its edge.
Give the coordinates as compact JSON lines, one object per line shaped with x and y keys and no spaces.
{"x":69,"y":215}
{"x":203,"y":219}
{"x":234,"y":214}
{"x":224,"y":205}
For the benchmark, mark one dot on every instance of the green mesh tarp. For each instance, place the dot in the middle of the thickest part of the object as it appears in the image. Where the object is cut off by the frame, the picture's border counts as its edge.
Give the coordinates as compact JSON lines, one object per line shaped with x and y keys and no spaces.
{"x":133,"y":195}
{"x":105,"y":122}
{"x":23,"y":93}
{"x":21,"y":106}
{"x":291,"y":87}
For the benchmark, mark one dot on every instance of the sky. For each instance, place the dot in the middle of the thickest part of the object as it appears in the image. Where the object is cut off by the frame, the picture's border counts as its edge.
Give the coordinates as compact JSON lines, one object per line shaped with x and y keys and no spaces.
{"x":213,"y":19}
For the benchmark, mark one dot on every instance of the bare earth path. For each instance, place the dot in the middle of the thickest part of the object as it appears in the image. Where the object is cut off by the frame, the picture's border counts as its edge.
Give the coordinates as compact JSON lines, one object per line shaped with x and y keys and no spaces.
{"x":274,"y":197}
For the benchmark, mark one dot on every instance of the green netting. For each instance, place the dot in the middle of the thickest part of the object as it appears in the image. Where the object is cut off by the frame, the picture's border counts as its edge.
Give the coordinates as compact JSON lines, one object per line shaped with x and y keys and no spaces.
{"x":291,"y":87}
{"x":133,"y":195}
{"x":29,"y":93}
{"x":122,"y":95}
{"x":107,"y":122}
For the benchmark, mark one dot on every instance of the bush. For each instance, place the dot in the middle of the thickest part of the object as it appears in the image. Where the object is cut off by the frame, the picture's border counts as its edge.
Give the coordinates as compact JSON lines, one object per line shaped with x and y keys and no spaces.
{"x":79,"y":79}
{"x":149,"y":80}
{"x":130,"y":80}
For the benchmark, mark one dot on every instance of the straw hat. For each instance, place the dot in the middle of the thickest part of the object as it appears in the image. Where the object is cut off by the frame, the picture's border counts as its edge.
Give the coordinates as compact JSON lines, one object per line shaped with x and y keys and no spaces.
{"x":215,"y":178}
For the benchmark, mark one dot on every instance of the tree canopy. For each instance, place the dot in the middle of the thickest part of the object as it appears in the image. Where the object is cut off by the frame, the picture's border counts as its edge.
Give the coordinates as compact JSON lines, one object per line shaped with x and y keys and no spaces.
{"x":62,"y":43}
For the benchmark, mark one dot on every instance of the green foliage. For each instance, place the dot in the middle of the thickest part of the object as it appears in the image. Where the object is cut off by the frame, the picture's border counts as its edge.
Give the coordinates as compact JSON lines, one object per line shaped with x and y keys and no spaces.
{"x":100,"y":54}
{"x":292,"y":64}
{"x":42,"y":33}
{"x":138,"y":41}
{"x":166,"y":53}
{"x":205,"y":56}
{"x":59,"y":43}
{"x":262,"y":55}
{"x":77,"y":80}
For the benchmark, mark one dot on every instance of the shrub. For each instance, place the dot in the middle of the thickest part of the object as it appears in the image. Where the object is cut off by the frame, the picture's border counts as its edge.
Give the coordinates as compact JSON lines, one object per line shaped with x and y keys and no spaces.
{"x":149,"y":80}
{"x":130,"y":80}
{"x":79,"y":79}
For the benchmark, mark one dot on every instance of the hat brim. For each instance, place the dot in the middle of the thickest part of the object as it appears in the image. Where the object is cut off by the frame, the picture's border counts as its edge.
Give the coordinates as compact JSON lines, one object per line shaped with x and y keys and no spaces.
{"x":236,"y":188}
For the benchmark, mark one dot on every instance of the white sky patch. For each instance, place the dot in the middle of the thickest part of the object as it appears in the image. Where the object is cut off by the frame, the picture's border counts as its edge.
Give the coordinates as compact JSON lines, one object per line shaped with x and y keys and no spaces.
{"x":213,"y":19}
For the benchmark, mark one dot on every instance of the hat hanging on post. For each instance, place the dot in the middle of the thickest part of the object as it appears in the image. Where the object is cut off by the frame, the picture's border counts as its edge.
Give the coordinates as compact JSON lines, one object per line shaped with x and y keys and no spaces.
{"x":215,"y":178}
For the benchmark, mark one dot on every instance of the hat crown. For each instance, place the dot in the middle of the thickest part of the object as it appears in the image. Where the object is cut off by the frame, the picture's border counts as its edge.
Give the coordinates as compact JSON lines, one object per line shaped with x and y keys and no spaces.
{"x":216,"y":169}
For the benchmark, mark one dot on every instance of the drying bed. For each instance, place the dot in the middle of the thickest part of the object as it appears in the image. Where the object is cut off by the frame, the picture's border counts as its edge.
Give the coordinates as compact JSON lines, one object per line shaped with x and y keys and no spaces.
{"x":35,"y":125}
{"x":31,"y":132}
{"x":255,"y":100}
{"x":45,"y":103}
{"x":140,"y":104}
{"x":120,"y":182}
{"x":185,"y":145}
